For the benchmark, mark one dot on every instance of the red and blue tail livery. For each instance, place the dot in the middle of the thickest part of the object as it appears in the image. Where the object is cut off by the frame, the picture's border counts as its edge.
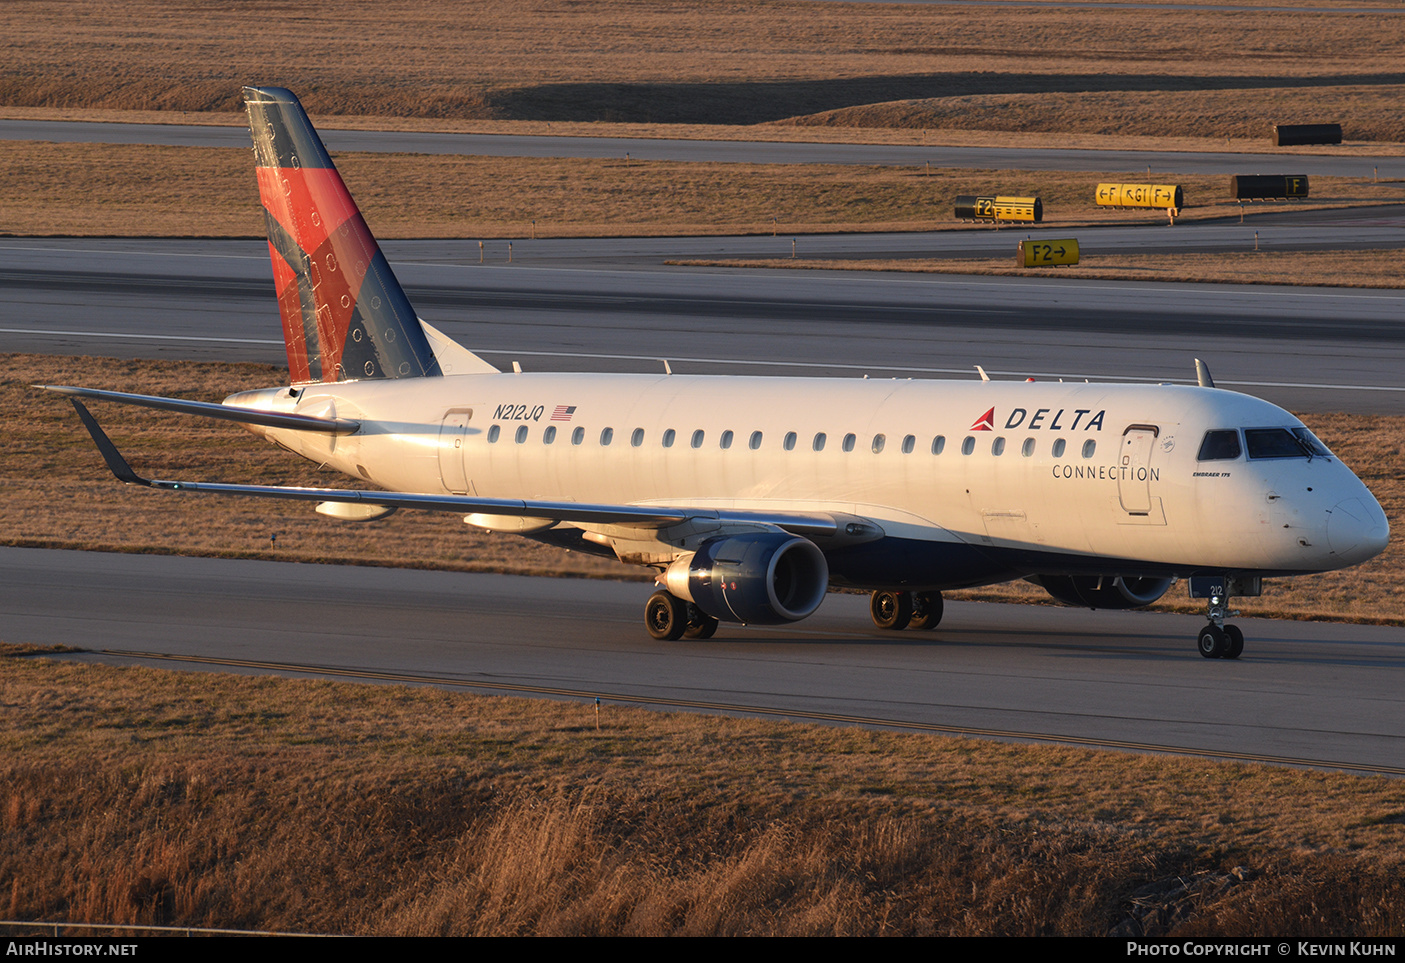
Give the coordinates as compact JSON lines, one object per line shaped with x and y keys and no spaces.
{"x":345,"y":317}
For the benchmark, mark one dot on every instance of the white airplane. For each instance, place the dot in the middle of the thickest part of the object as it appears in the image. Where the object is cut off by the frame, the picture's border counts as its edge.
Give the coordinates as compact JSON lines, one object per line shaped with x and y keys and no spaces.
{"x":750,"y":497}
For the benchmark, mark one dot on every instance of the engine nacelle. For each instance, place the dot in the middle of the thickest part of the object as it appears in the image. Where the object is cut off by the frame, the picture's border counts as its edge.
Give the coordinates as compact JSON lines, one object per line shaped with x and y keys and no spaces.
{"x":1103,"y":592}
{"x":763,"y":578}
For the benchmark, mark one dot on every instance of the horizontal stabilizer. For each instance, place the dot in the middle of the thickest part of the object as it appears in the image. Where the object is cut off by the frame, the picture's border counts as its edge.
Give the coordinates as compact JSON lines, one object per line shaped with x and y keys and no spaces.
{"x":206,"y":409}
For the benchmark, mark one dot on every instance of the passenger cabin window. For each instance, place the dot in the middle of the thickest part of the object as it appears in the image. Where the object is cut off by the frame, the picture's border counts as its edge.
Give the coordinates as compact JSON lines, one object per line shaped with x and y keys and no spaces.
{"x":637,"y":438}
{"x":849,"y":440}
{"x":607,"y":435}
{"x":493,"y":433}
{"x":1274,"y":443}
{"x":938,"y":444}
{"x":668,"y":437}
{"x":755,"y":441}
{"x":1219,"y":445}
{"x":1027,"y":449}
{"x":1089,"y":447}
{"x":819,"y":442}
{"x":521,"y":434}
{"x":909,"y":443}
{"x":789,"y":441}
{"x":968,"y":445}
{"x":698,"y":437}
{"x":578,"y":436}
{"x":549,"y":435}
{"x":878,"y":442}
{"x":1058,"y":450}
{"x":726,"y":439}
{"x":997,"y":447}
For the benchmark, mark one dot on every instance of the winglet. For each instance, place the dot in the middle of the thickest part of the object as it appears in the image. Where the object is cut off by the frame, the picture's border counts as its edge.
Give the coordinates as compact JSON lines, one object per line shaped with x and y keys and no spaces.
{"x":110,"y":454}
{"x":1202,"y":374}
{"x":984,"y":376}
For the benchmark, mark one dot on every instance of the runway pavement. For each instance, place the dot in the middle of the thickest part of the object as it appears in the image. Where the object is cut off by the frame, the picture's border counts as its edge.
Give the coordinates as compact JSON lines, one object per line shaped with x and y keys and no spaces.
{"x":1303,"y":692}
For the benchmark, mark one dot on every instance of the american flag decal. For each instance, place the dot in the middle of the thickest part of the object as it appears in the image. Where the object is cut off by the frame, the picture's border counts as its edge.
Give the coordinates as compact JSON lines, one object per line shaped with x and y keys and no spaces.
{"x":563,"y":412}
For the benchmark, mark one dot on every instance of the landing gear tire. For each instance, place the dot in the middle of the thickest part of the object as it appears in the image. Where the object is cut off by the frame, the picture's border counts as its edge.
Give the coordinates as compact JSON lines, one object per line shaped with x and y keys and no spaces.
{"x":666,"y":616}
{"x":700,"y":624}
{"x":1234,"y":642}
{"x":1212,"y":642}
{"x":891,"y":610}
{"x":926,"y":610}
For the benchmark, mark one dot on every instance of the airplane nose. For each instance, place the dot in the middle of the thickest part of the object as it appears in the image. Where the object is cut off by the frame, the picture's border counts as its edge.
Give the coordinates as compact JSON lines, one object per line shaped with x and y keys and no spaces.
{"x":1357,"y":530}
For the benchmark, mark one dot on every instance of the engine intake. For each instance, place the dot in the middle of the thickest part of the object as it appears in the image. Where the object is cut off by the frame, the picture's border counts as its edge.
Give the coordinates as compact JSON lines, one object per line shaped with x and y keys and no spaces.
{"x":760,"y":579}
{"x":1103,"y":592}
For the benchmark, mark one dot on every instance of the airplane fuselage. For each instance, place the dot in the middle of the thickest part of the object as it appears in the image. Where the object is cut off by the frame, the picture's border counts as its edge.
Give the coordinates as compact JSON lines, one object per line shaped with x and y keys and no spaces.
{"x":970,"y":482}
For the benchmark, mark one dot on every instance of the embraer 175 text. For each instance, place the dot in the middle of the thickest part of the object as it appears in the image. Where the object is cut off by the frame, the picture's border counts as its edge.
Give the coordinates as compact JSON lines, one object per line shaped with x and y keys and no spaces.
{"x":750,"y":497}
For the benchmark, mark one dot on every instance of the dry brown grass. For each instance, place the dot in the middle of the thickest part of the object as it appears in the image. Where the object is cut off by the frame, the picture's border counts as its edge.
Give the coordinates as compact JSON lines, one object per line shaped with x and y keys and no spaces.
{"x":1367,"y":113}
{"x":738,"y":63}
{"x":109,"y":190}
{"x":51,"y":478}
{"x":144,"y":796}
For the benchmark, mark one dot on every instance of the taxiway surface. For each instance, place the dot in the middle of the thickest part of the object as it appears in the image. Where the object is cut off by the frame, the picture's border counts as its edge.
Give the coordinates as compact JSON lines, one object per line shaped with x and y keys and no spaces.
{"x":613,"y":305}
{"x":752,"y":152}
{"x":1311,"y":693}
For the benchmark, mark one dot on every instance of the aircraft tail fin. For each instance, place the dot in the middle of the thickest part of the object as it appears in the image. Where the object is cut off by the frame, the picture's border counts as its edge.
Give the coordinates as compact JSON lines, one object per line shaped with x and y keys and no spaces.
{"x":345,"y":316}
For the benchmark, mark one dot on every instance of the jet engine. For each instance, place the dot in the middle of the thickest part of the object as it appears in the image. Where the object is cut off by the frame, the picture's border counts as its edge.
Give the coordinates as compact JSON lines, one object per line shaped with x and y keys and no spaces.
{"x":760,"y":578}
{"x":1103,"y":591}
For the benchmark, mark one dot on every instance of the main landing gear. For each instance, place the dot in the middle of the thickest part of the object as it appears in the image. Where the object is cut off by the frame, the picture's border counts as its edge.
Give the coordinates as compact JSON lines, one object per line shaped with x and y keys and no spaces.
{"x":906,"y":610}
{"x":669,"y":618}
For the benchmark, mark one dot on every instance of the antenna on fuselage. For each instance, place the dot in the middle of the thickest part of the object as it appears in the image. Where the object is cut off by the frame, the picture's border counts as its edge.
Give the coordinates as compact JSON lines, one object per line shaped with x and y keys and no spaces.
{"x":666,"y":368}
{"x":1202,"y":374}
{"x":984,"y":376}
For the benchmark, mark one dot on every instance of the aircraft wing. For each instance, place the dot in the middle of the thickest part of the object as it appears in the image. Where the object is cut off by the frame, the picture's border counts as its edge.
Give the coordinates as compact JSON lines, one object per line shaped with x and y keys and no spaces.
{"x":206,"y":409}
{"x":816,"y":524}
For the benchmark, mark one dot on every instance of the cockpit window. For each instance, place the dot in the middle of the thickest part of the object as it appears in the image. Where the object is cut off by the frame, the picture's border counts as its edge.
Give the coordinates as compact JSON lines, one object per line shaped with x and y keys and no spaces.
{"x":1273,"y":443}
{"x":1221,"y":445}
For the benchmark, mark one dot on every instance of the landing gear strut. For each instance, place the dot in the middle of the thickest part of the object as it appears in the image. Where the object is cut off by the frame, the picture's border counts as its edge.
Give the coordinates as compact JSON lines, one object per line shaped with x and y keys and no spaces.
{"x":700,"y":624}
{"x":1219,"y":640}
{"x":902,"y":610}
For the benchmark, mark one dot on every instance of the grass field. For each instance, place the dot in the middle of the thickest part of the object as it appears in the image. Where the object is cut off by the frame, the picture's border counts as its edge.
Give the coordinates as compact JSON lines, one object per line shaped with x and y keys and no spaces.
{"x":150,"y":797}
{"x":1188,"y":72}
{"x":108,"y":190}
{"x":51,"y":477}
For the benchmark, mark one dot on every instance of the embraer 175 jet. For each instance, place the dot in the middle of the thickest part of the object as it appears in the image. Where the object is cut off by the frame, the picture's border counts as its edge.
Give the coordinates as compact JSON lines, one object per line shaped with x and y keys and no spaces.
{"x":749,"y":496}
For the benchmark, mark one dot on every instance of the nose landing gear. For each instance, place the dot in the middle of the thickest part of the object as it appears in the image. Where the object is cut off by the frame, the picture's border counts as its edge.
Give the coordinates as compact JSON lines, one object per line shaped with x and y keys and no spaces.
{"x":1219,"y":640}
